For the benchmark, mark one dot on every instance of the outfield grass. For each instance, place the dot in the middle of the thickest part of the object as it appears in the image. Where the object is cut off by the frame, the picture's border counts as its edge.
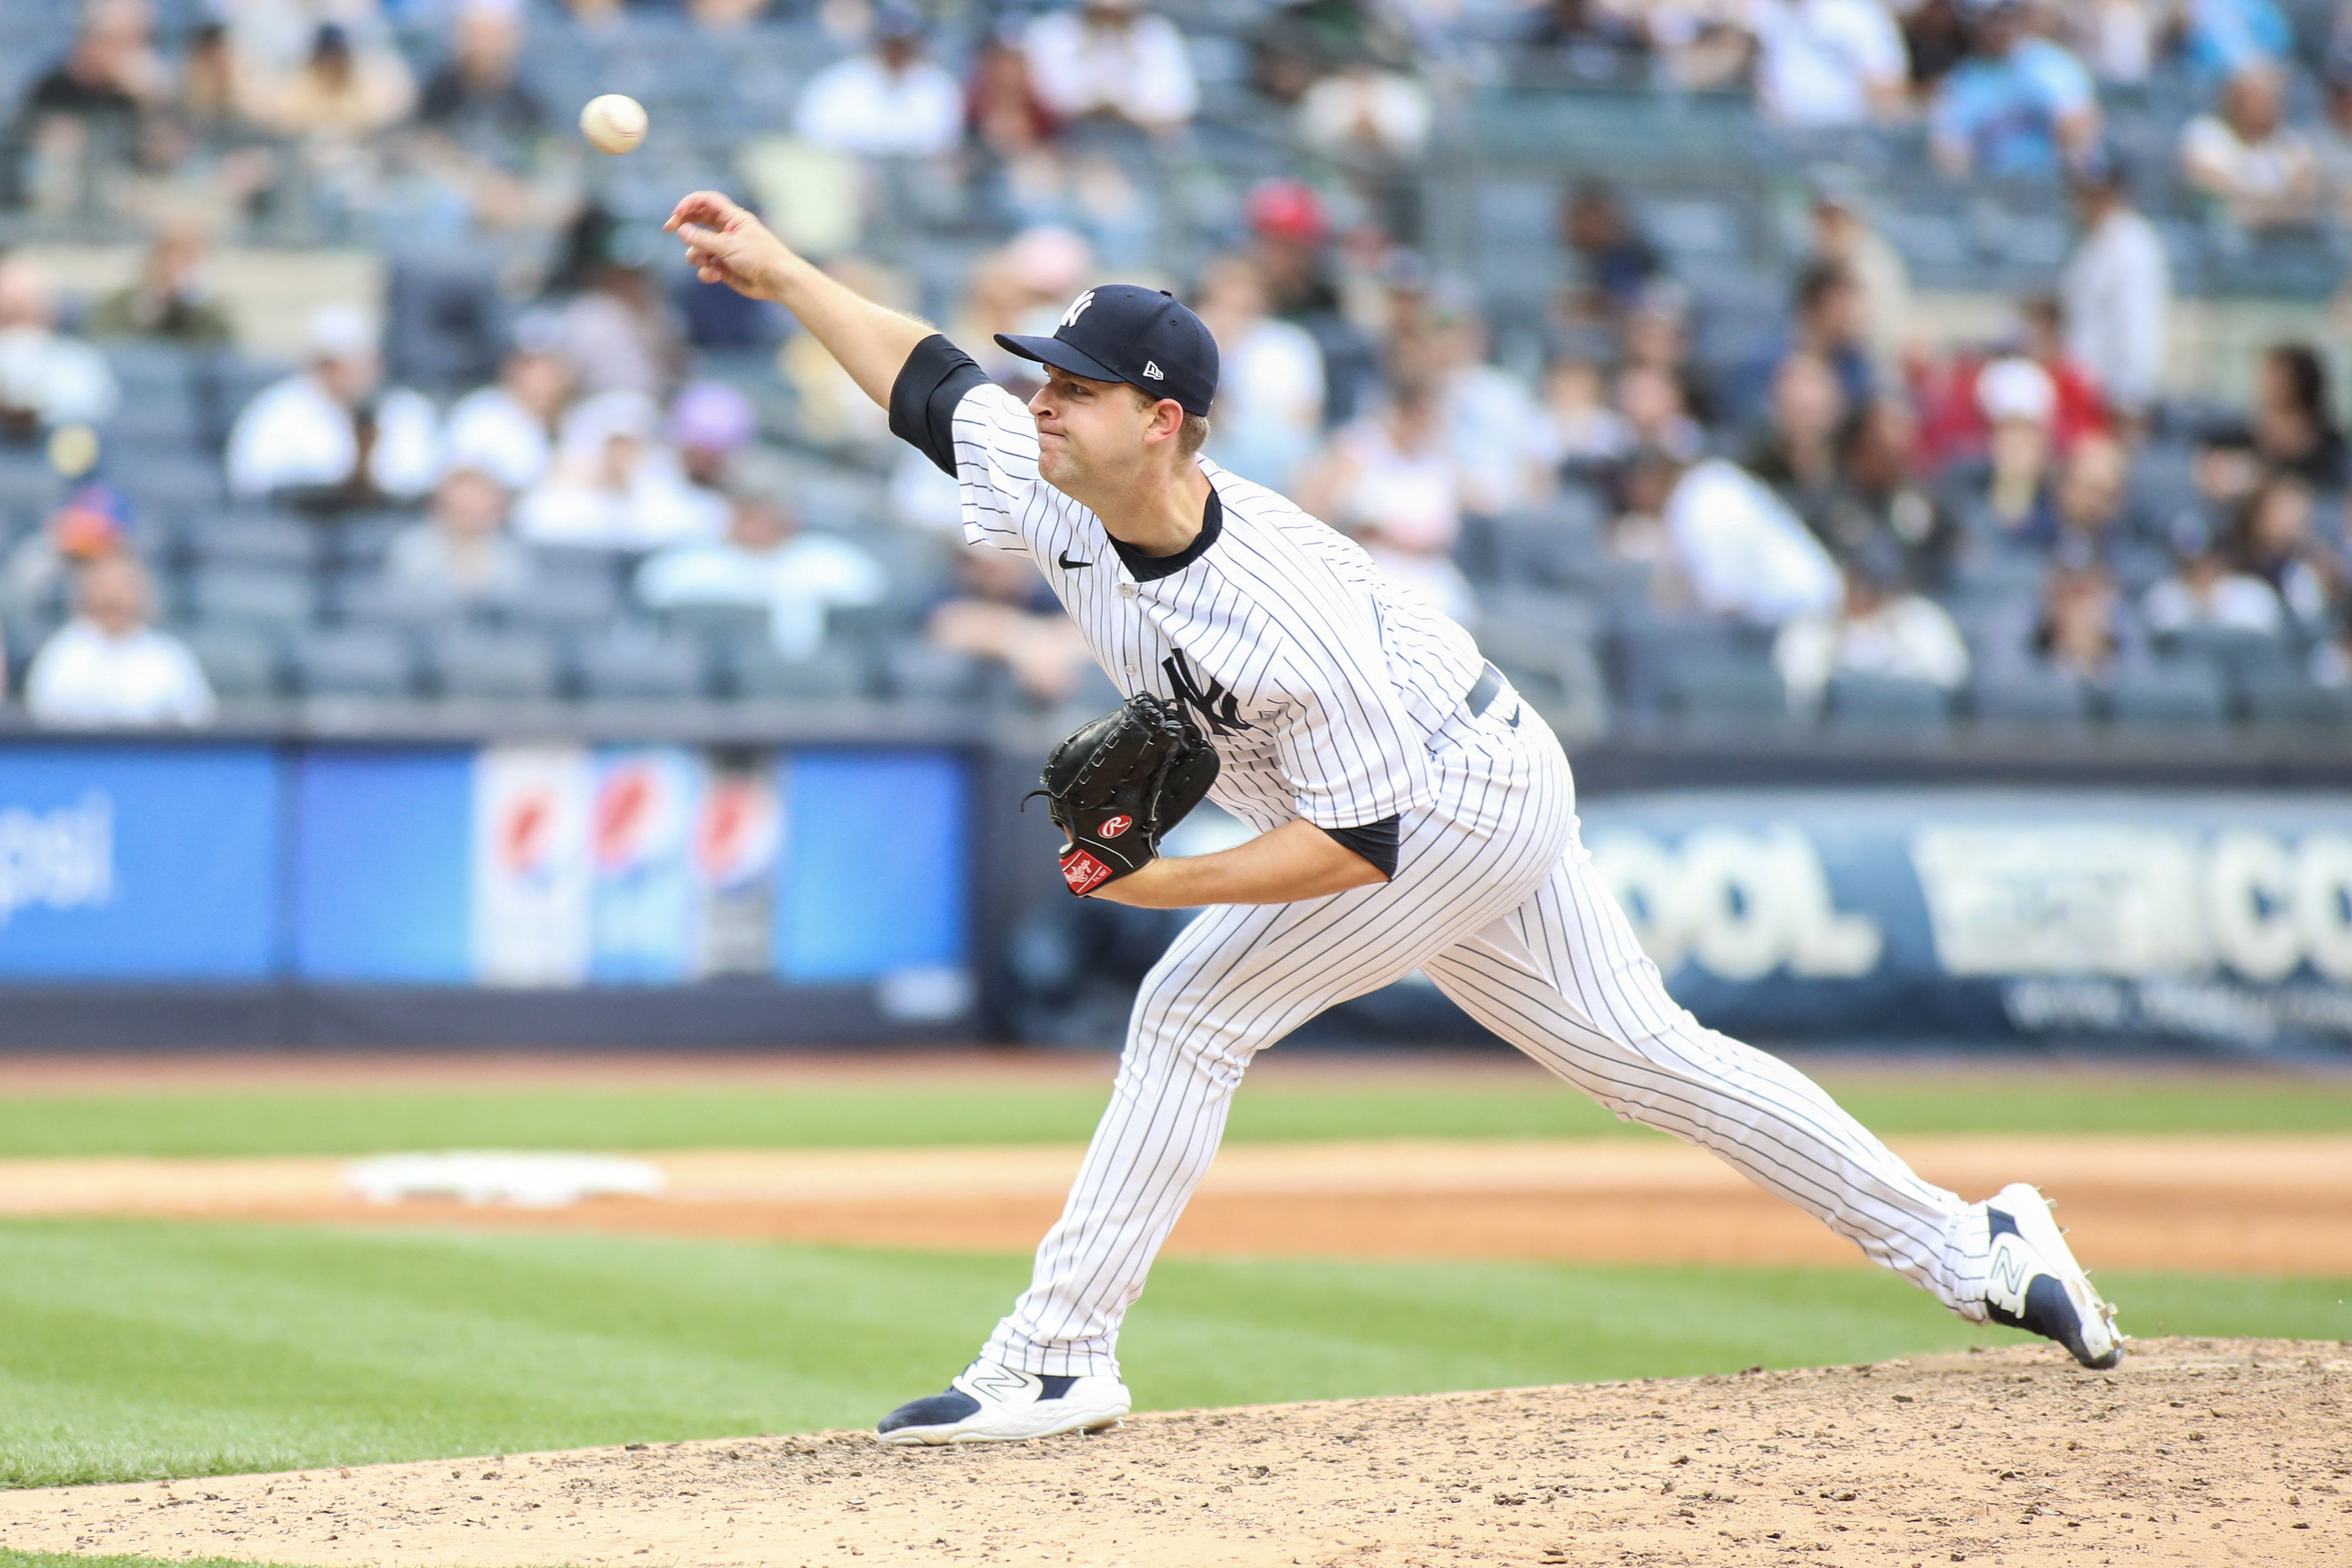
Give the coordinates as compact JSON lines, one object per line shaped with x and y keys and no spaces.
{"x":360,"y":1121}
{"x":132,"y":1350}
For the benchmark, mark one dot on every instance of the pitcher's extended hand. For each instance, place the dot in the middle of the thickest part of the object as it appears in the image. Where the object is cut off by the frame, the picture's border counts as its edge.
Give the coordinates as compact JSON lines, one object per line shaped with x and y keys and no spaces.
{"x":725,"y":243}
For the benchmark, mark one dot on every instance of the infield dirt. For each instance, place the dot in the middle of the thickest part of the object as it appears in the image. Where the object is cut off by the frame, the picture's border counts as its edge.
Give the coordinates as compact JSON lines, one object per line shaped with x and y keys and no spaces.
{"x":2193,"y":1452}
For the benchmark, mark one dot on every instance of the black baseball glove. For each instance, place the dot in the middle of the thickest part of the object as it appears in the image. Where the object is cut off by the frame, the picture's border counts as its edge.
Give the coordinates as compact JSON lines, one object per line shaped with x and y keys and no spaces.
{"x":1118,"y":783}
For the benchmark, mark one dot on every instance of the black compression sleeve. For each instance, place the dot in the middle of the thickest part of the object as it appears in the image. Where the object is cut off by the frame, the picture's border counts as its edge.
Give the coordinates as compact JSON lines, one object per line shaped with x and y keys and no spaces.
{"x":1375,"y":841}
{"x":934,"y":380}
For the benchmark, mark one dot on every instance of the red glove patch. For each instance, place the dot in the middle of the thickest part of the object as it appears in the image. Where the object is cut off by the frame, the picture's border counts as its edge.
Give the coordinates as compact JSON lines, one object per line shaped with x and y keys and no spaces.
{"x":1083,"y":873}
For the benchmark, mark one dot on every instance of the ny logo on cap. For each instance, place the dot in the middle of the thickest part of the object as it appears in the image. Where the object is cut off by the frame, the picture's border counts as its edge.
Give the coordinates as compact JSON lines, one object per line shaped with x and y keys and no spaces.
{"x":1077,"y":308}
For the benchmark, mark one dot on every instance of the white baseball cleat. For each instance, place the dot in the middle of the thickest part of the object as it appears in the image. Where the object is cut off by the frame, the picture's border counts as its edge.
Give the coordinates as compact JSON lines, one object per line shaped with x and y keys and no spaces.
{"x":992,"y":1404}
{"x":2033,"y":1283}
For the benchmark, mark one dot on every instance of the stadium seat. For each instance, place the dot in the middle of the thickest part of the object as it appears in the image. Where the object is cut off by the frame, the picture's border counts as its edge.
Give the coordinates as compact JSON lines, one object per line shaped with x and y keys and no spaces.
{"x":758,"y":674}
{"x":250,"y":539}
{"x":566,"y":601}
{"x":2029,"y":698}
{"x":239,"y":662}
{"x":918,"y":672}
{"x":2173,"y":693}
{"x":638,"y":667}
{"x":510,"y":666}
{"x":721,"y":625}
{"x":1862,"y":703}
{"x":353,"y":661}
{"x":2286,"y":697}
{"x":1726,"y":691}
{"x":247,"y":594}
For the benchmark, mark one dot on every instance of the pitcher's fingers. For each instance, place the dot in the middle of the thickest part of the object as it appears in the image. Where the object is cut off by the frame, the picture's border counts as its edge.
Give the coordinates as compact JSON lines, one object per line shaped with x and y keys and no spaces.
{"x":705,"y":206}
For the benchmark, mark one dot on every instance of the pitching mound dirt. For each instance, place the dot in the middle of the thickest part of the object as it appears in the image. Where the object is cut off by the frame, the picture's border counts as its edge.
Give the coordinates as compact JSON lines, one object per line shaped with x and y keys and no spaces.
{"x":2193,"y":1451}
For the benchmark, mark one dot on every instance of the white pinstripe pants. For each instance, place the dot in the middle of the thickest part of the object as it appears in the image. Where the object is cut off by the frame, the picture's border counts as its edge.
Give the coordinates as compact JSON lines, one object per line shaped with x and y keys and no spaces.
{"x":1494,"y":898}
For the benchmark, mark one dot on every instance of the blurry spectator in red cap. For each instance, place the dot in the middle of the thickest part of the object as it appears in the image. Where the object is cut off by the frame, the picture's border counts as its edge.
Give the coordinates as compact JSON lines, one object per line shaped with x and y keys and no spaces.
{"x":94,"y":521}
{"x":1291,"y":231}
{"x":108,"y":668}
{"x":47,"y":378}
{"x":893,"y":102}
{"x":508,"y":429}
{"x":708,"y":424}
{"x":1111,"y":59}
{"x":1269,"y":409}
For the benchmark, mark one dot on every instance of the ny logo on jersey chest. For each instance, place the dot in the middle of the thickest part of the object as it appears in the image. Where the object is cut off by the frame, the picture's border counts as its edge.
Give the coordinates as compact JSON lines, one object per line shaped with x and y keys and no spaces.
{"x":1217,"y":707}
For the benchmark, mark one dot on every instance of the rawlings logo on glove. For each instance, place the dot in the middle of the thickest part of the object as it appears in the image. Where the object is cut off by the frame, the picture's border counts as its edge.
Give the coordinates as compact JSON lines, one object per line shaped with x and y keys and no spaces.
{"x":1118,"y":783}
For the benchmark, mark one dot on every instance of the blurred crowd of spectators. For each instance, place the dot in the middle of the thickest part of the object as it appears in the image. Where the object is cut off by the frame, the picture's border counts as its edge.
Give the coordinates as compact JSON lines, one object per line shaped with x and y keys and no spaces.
{"x":414,"y":118}
{"x":2031,"y":506}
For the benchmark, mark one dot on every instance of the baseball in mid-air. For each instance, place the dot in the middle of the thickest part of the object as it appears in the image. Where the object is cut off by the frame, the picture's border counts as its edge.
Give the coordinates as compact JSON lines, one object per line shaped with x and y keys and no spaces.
{"x":614,"y":122}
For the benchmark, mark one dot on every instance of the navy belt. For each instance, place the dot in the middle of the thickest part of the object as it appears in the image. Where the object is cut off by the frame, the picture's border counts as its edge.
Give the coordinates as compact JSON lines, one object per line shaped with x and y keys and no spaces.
{"x":1484,"y":690}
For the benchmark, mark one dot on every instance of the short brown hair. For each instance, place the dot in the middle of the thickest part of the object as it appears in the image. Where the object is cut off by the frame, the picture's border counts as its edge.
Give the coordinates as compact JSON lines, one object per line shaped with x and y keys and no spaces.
{"x":1188,"y":440}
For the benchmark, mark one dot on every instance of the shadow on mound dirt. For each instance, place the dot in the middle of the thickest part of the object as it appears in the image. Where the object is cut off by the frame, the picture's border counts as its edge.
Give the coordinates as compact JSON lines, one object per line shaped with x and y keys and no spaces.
{"x":2193,"y":1451}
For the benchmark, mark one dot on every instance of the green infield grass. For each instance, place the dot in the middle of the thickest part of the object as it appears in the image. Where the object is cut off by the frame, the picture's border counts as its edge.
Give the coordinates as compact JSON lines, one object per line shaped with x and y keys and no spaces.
{"x":132,"y":1350}
{"x":374,"y":1120}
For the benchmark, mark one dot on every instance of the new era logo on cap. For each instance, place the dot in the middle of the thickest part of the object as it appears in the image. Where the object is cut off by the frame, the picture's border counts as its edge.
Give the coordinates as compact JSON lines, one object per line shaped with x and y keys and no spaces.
{"x":1144,"y":337}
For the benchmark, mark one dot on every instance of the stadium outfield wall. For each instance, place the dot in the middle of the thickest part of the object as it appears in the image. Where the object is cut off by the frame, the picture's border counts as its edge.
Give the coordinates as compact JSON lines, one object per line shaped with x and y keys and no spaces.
{"x":868,"y":885}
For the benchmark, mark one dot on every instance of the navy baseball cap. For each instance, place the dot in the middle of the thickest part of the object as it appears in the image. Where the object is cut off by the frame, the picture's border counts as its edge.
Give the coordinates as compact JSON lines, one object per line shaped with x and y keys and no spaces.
{"x":1144,"y":337}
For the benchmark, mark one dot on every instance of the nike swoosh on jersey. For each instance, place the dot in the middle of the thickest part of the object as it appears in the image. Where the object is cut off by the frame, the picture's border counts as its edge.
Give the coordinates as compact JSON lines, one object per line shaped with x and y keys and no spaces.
{"x":1070,"y":565}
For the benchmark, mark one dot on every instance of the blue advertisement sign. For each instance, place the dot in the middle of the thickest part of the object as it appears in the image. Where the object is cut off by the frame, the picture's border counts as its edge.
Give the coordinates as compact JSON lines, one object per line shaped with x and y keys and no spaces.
{"x":523,"y":866}
{"x":2218,"y":920}
{"x":150,"y":863}
{"x":379,"y":866}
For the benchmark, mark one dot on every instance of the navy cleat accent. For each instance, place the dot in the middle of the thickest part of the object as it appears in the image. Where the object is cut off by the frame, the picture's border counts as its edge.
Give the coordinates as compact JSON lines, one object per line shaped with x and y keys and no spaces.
{"x":989,"y":1402}
{"x":2032,"y":1283}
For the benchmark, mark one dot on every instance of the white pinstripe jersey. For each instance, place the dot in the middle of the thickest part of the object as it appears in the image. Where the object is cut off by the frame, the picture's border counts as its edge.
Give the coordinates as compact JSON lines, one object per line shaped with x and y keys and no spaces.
{"x":1319,"y":682}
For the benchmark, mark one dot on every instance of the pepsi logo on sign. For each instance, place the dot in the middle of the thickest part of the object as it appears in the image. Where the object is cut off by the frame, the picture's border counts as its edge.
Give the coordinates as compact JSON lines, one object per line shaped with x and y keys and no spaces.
{"x":1114,"y":826}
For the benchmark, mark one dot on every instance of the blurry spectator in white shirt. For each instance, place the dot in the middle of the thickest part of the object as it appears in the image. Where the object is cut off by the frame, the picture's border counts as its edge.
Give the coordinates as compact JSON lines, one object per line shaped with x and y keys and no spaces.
{"x":766,"y":562}
{"x":1110,"y":59}
{"x":894,"y":101}
{"x":1879,"y":628}
{"x":334,"y":426}
{"x":1742,"y":551}
{"x":2118,"y":290}
{"x":615,"y":485}
{"x":1360,"y":112}
{"x":1494,"y":428}
{"x":1390,"y":480}
{"x":461,"y":553}
{"x":2261,"y":172}
{"x":508,"y":429}
{"x":1828,"y":62}
{"x":108,"y":668}
{"x":1269,"y":411}
{"x":1579,"y":428}
{"x":2207,"y":592}
{"x":47,"y":379}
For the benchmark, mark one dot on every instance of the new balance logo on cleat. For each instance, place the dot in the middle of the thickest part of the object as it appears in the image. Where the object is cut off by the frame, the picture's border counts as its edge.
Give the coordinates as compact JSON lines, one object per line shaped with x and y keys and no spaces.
{"x":989,"y":1402}
{"x":2032,"y":1283}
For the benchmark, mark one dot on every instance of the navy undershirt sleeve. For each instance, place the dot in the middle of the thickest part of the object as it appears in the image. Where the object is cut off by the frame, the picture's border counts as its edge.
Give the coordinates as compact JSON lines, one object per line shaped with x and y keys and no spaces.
{"x":1375,"y":841}
{"x":935,"y":379}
